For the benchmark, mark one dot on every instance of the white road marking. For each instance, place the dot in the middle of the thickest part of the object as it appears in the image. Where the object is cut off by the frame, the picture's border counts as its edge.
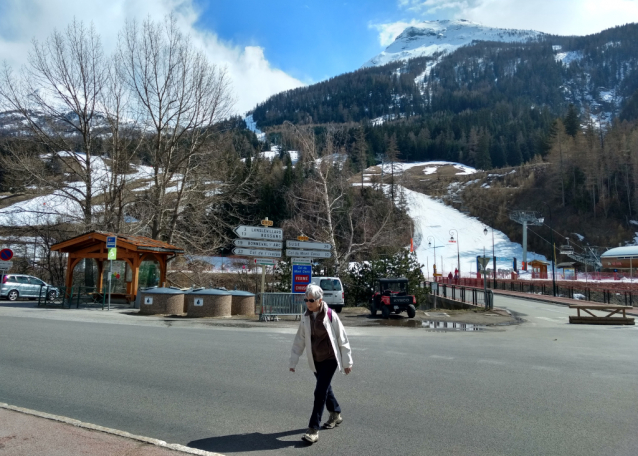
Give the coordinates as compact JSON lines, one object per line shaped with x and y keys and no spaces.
{"x":441,"y":357}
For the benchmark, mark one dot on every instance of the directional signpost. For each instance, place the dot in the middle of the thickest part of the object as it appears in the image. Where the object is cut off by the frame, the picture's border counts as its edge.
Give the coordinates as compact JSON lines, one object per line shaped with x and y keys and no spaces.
{"x":260,"y":241}
{"x":258,"y":244}
{"x":484,"y":261}
{"x":257,"y":252}
{"x":308,"y":253}
{"x":258,"y":232}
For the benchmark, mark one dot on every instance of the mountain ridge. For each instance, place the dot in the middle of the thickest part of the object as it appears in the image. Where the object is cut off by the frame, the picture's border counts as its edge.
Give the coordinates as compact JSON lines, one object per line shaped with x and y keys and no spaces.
{"x":445,"y":36}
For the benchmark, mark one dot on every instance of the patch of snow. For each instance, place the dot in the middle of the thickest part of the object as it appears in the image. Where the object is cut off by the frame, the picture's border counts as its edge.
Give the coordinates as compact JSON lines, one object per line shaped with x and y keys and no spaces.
{"x":633,"y":222}
{"x":568,"y":57}
{"x":579,"y":236}
{"x":252,"y":126}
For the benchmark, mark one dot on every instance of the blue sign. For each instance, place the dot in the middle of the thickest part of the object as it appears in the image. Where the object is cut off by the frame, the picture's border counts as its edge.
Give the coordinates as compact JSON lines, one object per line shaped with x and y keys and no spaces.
{"x":111,"y":242}
{"x":301,"y":276}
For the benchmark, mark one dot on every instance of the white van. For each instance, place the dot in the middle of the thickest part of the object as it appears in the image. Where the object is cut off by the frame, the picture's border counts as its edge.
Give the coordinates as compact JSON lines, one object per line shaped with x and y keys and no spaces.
{"x":333,"y":294}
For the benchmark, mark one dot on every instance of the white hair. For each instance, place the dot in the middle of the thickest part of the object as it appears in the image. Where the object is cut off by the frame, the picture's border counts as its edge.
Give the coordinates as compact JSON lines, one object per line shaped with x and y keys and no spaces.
{"x":314,"y":291}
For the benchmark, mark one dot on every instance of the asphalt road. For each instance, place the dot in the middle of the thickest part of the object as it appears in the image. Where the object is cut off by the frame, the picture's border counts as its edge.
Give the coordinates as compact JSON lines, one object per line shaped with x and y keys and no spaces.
{"x":541,"y":388}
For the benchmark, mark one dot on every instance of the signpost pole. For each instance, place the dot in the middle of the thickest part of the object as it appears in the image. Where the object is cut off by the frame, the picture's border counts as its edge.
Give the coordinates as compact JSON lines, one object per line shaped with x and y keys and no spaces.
{"x":263,"y":283}
{"x":110,"y":277}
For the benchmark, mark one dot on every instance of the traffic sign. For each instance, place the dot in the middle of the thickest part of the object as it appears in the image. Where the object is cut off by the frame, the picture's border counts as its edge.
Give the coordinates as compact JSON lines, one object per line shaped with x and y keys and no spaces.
{"x":258,"y":252}
{"x":302,"y":238}
{"x":308,"y":245}
{"x":301,"y":277}
{"x":259,"y":244}
{"x":6,"y":265}
{"x":111,"y":242}
{"x":301,"y":260}
{"x":308,"y":253}
{"x":266,"y":222}
{"x":112,"y":254}
{"x":484,"y":261}
{"x":258,"y":232}
{"x":6,"y":254}
{"x":264,"y":261}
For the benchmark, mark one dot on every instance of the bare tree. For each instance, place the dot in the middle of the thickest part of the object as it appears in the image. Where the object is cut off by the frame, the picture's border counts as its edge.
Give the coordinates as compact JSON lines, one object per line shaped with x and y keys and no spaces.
{"x":328,"y":209}
{"x":57,"y":96}
{"x":179,"y":96}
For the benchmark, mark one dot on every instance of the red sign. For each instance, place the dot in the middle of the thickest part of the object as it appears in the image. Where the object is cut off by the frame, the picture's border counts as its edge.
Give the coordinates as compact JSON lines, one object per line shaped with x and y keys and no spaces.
{"x":299,"y":288}
{"x":302,"y":278}
{"x":6,"y":254}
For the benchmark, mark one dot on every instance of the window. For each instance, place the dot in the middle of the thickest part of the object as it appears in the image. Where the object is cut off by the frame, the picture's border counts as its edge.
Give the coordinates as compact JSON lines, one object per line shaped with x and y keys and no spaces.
{"x":35,"y":281}
{"x":22,"y":279}
{"x":330,"y":285}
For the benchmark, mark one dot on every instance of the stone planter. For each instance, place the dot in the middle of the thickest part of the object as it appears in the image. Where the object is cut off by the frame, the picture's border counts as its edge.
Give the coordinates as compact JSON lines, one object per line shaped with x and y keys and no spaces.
{"x":243,"y":303}
{"x":156,"y":301}
{"x":209,"y":303}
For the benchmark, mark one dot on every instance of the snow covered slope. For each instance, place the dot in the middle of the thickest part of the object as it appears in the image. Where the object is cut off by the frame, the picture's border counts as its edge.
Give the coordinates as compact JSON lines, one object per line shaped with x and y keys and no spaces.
{"x":431,"y":37}
{"x":434,"y":220}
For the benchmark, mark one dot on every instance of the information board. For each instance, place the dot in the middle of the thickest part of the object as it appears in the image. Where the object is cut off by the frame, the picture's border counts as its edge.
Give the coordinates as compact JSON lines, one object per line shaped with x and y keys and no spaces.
{"x":301,"y":277}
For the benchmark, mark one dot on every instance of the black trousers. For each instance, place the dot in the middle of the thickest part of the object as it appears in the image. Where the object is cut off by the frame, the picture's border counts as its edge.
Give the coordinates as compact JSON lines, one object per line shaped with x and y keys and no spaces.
{"x":323,"y":392}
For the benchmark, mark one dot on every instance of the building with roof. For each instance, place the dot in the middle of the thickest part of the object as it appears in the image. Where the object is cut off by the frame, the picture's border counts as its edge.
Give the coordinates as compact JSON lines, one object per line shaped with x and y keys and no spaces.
{"x":621,"y":258}
{"x":133,"y":251}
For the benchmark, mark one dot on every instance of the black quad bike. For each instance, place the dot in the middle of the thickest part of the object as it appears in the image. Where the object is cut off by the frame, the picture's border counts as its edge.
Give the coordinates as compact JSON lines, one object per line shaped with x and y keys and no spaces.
{"x":391,"y":296}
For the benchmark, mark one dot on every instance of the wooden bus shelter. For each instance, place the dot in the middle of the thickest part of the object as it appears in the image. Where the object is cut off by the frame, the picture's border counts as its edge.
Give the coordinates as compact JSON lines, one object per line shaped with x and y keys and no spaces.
{"x":131,"y":249}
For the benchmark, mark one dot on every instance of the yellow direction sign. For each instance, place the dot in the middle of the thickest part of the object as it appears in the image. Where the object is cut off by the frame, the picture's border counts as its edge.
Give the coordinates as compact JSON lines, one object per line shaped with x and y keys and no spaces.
{"x":266,"y":222}
{"x":112,"y":254}
{"x":302,"y":238}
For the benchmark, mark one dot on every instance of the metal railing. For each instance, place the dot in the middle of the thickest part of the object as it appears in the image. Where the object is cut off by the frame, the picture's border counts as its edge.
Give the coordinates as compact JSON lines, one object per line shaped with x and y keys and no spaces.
{"x":275,"y":305}
{"x":468,"y":295}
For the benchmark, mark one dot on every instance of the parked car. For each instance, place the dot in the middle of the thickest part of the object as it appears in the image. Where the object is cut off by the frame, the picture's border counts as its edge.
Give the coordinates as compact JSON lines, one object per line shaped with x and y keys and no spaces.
{"x":15,"y":286}
{"x":391,"y":295}
{"x":333,"y":293}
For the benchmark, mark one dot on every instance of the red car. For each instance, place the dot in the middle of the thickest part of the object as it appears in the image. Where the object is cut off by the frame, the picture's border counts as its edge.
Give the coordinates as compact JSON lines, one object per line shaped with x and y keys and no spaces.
{"x":391,"y":296}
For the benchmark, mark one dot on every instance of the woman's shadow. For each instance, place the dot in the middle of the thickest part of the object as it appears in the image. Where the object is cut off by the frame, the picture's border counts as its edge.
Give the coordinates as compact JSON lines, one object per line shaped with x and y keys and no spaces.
{"x":238,"y":443}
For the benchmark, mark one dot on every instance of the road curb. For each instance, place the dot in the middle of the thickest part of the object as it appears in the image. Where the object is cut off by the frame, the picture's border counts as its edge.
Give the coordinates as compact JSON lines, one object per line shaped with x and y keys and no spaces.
{"x":95,"y":427}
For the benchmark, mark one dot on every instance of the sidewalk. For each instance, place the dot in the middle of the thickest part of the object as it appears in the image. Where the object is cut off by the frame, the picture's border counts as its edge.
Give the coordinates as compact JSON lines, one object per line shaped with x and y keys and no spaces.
{"x":552,"y":299}
{"x":26,"y":432}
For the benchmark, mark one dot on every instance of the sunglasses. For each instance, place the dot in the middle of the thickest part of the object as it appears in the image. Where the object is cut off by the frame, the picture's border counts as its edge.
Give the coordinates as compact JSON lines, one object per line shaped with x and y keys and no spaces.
{"x":309,"y":300}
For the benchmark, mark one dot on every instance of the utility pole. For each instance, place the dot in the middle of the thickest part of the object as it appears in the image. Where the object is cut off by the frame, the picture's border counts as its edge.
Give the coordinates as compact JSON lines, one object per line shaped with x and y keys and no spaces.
{"x":432,"y":239}
{"x":553,"y":250}
{"x":526,"y":218}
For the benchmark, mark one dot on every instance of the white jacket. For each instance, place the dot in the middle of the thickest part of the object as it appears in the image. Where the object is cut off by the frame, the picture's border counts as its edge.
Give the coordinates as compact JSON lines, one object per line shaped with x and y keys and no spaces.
{"x":338,"y":339}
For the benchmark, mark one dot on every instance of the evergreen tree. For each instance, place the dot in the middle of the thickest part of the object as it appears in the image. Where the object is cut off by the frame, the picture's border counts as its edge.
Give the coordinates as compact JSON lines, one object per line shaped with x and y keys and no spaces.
{"x":572,"y":121}
{"x":483,"y":158}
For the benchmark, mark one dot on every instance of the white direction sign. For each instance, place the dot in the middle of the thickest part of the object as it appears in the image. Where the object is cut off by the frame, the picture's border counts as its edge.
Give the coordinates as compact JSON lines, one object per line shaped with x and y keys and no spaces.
{"x":258,"y":252}
{"x":308,"y":253}
{"x":301,"y":260}
{"x":264,"y":261}
{"x":259,"y":232}
{"x":259,"y":244}
{"x":6,"y":265}
{"x":308,"y":245}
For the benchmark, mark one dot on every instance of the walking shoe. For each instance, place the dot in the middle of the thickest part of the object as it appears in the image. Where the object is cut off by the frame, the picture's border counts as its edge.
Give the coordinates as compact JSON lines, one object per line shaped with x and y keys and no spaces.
{"x":335,"y":419}
{"x":311,"y":435}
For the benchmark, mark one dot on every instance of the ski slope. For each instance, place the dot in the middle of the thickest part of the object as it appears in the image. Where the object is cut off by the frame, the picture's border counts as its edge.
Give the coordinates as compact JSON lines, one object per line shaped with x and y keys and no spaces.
{"x":433,"y":221}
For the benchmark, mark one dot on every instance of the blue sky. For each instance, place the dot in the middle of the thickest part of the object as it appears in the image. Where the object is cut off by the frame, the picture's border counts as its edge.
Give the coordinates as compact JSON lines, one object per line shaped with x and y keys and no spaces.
{"x":310,"y":40}
{"x":268,"y":46}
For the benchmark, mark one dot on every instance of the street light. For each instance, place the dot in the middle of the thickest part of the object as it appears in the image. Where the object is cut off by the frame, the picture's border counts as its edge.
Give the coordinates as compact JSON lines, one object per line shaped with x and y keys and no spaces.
{"x":493,"y":253}
{"x":553,"y":249}
{"x":432,"y":239}
{"x":458,"y":255}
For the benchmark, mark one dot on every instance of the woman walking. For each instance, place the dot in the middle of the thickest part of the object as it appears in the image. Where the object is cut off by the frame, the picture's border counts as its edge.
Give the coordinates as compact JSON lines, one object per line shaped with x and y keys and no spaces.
{"x":324,"y":338}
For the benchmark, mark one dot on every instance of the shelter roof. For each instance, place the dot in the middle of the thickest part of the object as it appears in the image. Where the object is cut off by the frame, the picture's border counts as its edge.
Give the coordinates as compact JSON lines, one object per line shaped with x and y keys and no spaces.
{"x":629,"y":250}
{"x":567,"y":264}
{"x":537,"y":262}
{"x":126,"y":241}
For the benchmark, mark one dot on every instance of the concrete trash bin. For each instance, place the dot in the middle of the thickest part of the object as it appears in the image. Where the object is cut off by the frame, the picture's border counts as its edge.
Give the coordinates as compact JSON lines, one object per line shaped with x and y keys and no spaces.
{"x":243,"y":303}
{"x":209,"y":303}
{"x":162,"y":301}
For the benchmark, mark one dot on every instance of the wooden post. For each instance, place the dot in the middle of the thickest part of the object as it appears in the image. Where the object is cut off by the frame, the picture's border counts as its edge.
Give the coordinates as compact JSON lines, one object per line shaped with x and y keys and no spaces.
{"x":100,"y":275}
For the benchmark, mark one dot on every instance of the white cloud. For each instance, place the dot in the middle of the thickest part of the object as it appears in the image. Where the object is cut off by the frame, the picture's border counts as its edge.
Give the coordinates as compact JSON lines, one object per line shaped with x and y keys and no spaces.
{"x":254,"y":79}
{"x":561,"y":17}
{"x":389,"y":32}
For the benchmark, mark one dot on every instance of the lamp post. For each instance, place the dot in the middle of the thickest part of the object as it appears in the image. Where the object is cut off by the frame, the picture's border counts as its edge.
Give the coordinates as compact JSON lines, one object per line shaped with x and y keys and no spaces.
{"x":432,"y":239}
{"x":458,"y":255}
{"x":553,"y":249}
{"x":493,"y":254}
